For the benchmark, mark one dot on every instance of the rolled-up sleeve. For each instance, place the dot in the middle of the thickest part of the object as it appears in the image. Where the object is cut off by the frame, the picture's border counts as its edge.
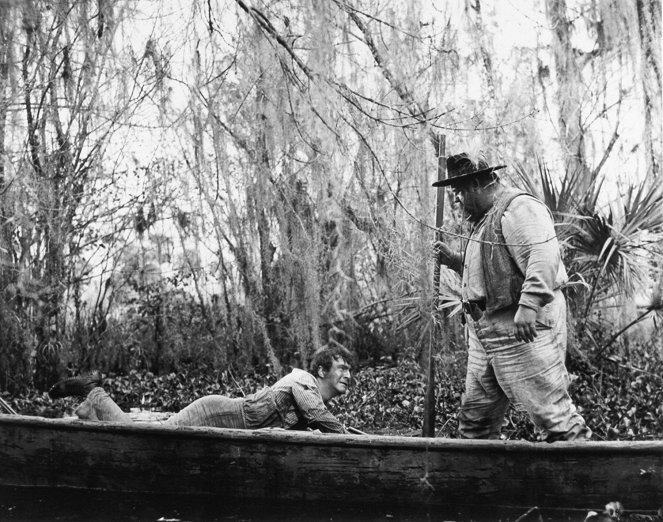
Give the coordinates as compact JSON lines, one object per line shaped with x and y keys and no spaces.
{"x":530,"y":235}
{"x":309,"y":401}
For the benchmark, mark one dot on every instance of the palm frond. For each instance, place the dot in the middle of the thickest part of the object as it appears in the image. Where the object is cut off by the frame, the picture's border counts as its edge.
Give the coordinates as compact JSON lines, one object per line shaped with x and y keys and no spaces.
{"x":643,"y":210}
{"x":455,"y":305}
{"x":568,"y":195}
{"x":422,"y":311}
{"x":618,"y":250}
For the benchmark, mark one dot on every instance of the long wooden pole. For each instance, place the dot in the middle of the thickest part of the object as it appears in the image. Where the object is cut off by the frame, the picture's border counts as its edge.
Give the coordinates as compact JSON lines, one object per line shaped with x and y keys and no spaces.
{"x":429,"y":399}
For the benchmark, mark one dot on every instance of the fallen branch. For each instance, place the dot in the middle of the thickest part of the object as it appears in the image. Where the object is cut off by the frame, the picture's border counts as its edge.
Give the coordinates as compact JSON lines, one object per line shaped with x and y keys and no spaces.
{"x":6,"y":407}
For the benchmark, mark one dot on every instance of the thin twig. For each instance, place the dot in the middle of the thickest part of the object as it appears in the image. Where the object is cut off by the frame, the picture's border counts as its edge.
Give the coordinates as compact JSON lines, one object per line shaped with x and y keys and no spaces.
{"x":239,"y":386}
{"x":633,"y":368}
{"x":632,"y":323}
{"x":522,"y":517}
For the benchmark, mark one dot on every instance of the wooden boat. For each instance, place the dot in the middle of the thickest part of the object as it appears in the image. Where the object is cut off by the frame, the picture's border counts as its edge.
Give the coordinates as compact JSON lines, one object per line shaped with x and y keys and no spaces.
{"x":299,"y":466}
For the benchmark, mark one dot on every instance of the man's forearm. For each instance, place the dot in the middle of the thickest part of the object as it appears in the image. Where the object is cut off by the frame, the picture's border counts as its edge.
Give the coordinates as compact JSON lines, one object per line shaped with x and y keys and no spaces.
{"x":328,"y":423}
{"x":313,"y":409}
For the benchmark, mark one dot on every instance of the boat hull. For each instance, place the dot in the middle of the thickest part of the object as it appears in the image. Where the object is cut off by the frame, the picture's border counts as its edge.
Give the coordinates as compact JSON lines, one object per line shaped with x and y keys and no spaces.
{"x":282,"y":465}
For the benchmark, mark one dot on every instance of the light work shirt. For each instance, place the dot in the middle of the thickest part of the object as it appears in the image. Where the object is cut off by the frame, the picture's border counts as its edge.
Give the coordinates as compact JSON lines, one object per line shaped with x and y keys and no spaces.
{"x":531,"y":240}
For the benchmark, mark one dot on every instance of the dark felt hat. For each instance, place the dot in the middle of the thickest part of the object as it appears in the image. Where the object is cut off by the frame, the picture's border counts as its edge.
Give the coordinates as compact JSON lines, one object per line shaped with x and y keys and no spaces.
{"x":460,"y":168}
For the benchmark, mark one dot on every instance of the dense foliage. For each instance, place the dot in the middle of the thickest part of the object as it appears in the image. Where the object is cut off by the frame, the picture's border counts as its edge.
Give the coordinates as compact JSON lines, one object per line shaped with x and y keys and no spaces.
{"x":618,"y":401}
{"x":235,"y":183}
{"x":196,"y":195}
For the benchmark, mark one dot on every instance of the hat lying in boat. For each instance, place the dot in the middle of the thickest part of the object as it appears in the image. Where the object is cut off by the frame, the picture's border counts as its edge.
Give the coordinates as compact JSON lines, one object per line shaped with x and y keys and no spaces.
{"x":460,"y":168}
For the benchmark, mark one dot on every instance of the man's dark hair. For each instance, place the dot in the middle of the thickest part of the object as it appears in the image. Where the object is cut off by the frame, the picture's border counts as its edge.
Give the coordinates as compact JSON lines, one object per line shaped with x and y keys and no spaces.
{"x":325,"y":357}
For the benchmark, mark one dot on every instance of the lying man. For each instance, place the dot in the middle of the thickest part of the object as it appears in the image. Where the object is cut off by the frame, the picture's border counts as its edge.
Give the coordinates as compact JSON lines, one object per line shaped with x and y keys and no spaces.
{"x":298,"y":401}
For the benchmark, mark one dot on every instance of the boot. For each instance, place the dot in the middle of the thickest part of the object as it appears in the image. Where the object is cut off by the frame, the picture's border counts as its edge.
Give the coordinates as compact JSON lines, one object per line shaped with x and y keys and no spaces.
{"x":75,"y":386}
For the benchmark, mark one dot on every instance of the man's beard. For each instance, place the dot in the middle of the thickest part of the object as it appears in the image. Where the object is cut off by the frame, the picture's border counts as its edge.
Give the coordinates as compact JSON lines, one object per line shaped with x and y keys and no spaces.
{"x":473,"y":215}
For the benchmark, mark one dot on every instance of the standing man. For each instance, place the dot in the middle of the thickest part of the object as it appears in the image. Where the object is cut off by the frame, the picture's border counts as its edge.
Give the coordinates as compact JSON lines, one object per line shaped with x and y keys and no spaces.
{"x":515,"y":312}
{"x":298,"y":401}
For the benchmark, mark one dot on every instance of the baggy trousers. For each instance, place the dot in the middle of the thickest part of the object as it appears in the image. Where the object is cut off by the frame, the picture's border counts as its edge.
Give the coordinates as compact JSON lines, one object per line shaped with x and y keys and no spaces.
{"x":212,"y":410}
{"x":532,"y":376}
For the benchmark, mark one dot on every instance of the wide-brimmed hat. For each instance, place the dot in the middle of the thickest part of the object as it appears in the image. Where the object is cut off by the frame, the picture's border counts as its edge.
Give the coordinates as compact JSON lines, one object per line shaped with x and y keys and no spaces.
{"x":460,"y":168}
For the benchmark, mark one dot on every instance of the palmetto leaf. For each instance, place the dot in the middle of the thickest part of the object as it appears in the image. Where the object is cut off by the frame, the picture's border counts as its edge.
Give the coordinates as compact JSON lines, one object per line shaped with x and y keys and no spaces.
{"x":412,"y":310}
{"x":643,"y":210}
{"x":420,"y":310}
{"x":610,"y":250}
{"x":455,"y":305}
{"x":609,"y":258}
{"x":567,"y":196}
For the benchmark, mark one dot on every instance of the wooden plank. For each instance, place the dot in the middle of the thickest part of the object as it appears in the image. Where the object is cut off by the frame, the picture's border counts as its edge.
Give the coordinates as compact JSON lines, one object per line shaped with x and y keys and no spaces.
{"x":284,"y":465}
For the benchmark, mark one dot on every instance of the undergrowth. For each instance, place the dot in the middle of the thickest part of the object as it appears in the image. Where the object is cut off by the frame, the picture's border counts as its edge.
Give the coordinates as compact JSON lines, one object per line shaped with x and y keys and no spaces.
{"x":618,"y":401}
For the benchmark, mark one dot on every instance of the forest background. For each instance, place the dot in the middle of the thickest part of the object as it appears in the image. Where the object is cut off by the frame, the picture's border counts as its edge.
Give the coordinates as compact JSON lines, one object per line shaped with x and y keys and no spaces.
{"x":195,"y":195}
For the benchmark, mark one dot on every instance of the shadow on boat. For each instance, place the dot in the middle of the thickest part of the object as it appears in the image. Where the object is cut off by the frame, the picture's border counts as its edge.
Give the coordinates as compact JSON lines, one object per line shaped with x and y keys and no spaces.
{"x":41,"y":504}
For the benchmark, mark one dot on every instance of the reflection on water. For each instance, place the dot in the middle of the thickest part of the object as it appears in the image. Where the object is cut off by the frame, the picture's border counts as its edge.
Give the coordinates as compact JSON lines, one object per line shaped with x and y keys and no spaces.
{"x":46,"y":505}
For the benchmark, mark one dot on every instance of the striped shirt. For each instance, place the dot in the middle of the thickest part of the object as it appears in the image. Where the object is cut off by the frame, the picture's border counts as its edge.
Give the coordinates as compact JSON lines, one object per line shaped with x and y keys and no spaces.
{"x":298,"y":402}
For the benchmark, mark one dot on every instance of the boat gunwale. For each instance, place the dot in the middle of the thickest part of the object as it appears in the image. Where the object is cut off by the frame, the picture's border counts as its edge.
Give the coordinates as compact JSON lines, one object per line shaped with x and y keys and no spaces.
{"x":159,"y":429}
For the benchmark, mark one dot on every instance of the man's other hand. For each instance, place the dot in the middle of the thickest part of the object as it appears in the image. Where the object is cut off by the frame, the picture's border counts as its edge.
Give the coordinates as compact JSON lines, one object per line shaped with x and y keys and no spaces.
{"x":525,"y":321}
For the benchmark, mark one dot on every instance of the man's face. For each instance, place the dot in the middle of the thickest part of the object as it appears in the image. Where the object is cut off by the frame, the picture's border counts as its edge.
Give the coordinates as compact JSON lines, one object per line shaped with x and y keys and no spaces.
{"x":338,"y":377}
{"x":468,"y":198}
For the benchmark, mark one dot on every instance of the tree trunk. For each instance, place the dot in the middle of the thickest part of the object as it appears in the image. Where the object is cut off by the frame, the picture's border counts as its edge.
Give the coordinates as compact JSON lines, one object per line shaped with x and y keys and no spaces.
{"x":569,"y":93}
{"x":649,"y":25}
